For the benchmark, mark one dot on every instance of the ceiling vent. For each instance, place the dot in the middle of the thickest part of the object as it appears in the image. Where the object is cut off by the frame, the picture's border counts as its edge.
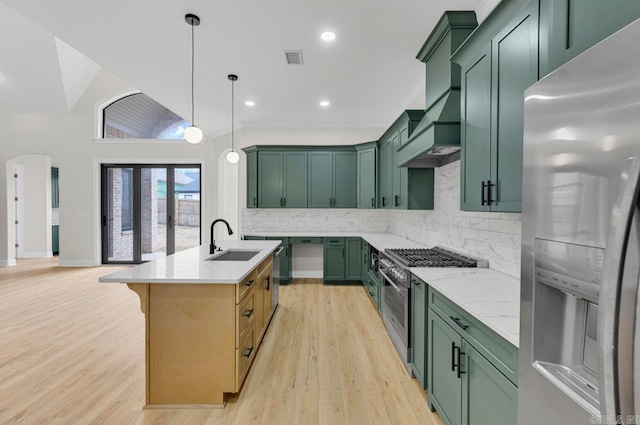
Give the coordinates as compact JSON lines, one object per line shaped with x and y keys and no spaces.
{"x":293,"y":57}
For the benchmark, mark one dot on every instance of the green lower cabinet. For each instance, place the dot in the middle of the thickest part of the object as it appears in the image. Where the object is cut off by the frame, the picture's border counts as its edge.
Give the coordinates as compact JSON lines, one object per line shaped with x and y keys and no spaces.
{"x":445,"y":387}
{"x":353,"y":262}
{"x":418,"y":327}
{"x":364,"y":255}
{"x":254,"y":238}
{"x":334,"y":263}
{"x":285,"y":258}
{"x":488,"y":397}
{"x":464,"y":387}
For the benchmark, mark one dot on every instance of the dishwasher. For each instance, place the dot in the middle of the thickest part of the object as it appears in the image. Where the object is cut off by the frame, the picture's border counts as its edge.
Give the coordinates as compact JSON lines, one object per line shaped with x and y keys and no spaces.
{"x":275,"y":290}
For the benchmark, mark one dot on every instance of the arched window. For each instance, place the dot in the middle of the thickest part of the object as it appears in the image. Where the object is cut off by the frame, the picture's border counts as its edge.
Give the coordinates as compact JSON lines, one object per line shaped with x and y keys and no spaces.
{"x":137,"y":116}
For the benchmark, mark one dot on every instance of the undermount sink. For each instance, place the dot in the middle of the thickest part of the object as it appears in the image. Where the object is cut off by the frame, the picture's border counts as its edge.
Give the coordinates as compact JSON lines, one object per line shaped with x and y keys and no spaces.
{"x":234,"y":255}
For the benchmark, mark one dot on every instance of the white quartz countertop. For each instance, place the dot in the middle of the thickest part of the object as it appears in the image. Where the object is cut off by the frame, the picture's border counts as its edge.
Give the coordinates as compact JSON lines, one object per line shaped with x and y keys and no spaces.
{"x":379,"y":241}
{"x":489,"y":296}
{"x":190,"y":266}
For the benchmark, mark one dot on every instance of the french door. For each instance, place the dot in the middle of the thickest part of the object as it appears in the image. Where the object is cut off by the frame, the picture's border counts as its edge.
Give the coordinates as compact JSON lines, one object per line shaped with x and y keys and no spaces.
{"x":149,"y":211}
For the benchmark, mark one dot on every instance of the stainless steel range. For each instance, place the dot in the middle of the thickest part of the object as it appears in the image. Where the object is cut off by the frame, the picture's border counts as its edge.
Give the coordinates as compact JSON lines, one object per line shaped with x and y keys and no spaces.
{"x":394,"y":267}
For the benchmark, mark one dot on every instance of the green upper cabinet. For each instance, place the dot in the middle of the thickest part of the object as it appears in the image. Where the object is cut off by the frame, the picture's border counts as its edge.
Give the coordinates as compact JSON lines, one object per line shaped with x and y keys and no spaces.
{"x":252,"y":180}
{"x":401,"y":187}
{"x":569,"y":27}
{"x":295,"y":179}
{"x":282,"y":180}
{"x":366,"y":178}
{"x":332,"y":179}
{"x":55,"y":192}
{"x":499,"y":61}
{"x":320,"y":179}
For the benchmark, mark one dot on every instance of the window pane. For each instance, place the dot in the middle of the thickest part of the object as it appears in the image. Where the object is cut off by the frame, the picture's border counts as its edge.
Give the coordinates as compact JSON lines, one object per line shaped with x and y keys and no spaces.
{"x":187,"y":188}
{"x":119,"y":214}
{"x":153,"y":205}
{"x":127,"y":199}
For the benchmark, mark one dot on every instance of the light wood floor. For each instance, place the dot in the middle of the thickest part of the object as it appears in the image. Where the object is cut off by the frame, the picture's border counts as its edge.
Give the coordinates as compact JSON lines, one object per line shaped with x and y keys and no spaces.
{"x":72,"y":352}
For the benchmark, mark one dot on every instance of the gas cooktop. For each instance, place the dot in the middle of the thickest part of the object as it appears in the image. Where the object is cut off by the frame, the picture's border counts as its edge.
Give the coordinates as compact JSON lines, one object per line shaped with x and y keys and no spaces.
{"x":434,"y":257}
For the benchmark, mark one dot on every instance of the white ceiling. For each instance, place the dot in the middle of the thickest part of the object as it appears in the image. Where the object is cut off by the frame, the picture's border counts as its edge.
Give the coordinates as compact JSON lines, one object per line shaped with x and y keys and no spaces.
{"x":369,"y":73}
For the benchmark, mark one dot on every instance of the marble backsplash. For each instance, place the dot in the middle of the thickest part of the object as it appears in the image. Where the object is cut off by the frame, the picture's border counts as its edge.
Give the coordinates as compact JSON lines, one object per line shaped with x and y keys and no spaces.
{"x":491,"y":236}
{"x":314,"y":220}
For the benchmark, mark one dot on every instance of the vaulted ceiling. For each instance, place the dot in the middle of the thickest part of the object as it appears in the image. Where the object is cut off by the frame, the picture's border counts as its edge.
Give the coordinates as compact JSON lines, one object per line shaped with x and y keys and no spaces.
{"x":369,"y":73}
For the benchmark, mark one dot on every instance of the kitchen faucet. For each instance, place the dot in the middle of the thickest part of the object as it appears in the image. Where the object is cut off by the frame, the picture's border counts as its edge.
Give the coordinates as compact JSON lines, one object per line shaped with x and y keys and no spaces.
{"x":212,"y":246}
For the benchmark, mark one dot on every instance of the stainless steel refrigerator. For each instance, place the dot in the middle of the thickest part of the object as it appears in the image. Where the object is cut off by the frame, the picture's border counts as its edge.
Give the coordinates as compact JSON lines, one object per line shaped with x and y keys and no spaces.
{"x":580,"y":313}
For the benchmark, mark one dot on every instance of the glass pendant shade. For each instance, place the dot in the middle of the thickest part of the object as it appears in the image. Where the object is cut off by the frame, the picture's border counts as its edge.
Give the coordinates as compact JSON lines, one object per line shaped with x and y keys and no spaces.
{"x":233,"y":157}
{"x":193,"y":135}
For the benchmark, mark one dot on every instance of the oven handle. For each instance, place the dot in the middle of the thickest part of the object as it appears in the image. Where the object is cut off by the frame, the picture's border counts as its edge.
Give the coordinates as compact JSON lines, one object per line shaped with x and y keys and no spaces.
{"x":390,"y":281}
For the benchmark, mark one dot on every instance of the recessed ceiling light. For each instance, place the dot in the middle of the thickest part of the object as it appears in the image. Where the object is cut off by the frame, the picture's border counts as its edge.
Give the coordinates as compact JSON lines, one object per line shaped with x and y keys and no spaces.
{"x":328,"y":36}
{"x":250,"y":103}
{"x":324,"y":103}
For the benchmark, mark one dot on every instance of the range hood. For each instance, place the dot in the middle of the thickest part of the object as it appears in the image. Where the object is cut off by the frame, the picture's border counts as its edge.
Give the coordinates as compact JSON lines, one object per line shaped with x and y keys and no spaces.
{"x":436,"y":139}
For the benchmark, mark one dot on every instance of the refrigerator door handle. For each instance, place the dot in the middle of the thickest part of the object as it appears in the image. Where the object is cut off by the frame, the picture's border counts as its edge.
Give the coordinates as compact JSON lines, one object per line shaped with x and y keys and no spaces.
{"x":613,"y":398}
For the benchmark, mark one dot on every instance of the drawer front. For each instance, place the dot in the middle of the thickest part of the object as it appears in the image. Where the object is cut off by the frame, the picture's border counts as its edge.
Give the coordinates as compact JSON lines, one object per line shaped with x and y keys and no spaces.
{"x":305,"y":240}
{"x":285,"y":240}
{"x":245,"y":317}
{"x":501,"y":353}
{"x":254,"y":238}
{"x":245,"y":286}
{"x":333,"y":241}
{"x":245,"y":353}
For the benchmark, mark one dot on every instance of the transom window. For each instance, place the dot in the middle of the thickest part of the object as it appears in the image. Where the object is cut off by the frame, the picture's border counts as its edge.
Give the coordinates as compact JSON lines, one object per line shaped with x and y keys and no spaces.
{"x":139,"y":117}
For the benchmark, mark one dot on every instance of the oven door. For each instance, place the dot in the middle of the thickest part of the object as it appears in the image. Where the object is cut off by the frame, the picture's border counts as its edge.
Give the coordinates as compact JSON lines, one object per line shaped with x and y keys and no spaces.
{"x":396,"y":307}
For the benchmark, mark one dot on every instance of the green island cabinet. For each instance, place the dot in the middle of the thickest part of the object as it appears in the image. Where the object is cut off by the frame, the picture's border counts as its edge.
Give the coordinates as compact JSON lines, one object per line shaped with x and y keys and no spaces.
{"x":367,"y":155}
{"x":499,"y":61}
{"x":569,"y":27}
{"x":401,"y":187}
{"x":342,"y":260}
{"x":472,"y":372}
{"x":332,"y":179}
{"x":418,"y":329}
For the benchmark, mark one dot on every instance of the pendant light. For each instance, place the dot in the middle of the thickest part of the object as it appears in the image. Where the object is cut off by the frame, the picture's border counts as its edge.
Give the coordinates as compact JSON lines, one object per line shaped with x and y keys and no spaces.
{"x":232,"y":156}
{"x":192,"y":134}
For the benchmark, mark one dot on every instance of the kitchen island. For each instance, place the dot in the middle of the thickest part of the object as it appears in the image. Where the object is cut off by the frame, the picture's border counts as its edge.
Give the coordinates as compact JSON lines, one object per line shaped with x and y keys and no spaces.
{"x":204,"y":320}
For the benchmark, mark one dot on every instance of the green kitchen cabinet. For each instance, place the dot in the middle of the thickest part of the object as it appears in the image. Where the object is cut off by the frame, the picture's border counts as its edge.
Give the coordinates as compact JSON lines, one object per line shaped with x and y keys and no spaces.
{"x":569,"y":27}
{"x":445,"y":387}
{"x":55,"y":191}
{"x":364,"y":255}
{"x":282,"y":179}
{"x":252,"y":180}
{"x":284,"y":258}
{"x":353,"y":258}
{"x":366,"y":180}
{"x":332,"y":179}
{"x":55,"y":239}
{"x":334,"y":263}
{"x":495,"y":75}
{"x":401,"y":187}
{"x":418,"y":327}
{"x":487,"y":396}
{"x":254,"y":238}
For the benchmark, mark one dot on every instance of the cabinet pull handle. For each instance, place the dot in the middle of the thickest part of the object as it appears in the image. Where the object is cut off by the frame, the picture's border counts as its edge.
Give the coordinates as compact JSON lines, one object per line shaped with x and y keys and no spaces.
{"x":453,"y":357}
{"x":373,"y":202}
{"x":249,"y":283}
{"x":397,"y":201}
{"x":384,"y":201}
{"x":484,"y":185}
{"x":248,"y":353}
{"x":305,"y":241}
{"x":416,"y":282}
{"x":268,"y":282}
{"x":489,"y":186}
{"x":248,"y":313}
{"x":458,"y":322}
{"x":255,"y":201}
{"x":460,"y":354}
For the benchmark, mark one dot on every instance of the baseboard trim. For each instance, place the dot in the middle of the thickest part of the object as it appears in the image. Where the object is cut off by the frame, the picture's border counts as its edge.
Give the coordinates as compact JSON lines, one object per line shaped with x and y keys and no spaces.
{"x":77,"y":263}
{"x":47,"y":254}
{"x":7,"y":263}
